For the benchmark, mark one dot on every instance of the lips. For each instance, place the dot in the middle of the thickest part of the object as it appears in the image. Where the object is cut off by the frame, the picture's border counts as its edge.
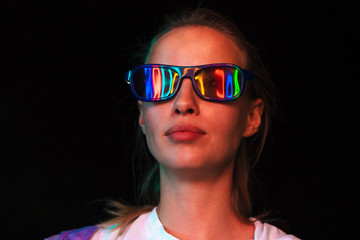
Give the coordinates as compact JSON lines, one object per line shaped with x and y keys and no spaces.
{"x":184,"y":133}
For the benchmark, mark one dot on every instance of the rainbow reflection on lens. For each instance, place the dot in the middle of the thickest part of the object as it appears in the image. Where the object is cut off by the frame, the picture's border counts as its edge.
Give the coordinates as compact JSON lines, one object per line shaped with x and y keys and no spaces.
{"x":218,"y":82}
{"x":159,"y":82}
{"x":213,"y":82}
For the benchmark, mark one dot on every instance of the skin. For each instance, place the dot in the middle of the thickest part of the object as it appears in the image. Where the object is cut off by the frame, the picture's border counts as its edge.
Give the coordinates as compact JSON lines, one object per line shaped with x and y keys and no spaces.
{"x":196,"y":175}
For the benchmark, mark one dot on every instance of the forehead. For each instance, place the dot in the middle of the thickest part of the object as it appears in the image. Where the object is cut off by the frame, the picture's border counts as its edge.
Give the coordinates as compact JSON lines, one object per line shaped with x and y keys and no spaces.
{"x":195,"y":45}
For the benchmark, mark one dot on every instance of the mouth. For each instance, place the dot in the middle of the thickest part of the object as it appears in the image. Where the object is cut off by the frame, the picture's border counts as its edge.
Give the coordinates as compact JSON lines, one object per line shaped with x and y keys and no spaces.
{"x":184,"y":133}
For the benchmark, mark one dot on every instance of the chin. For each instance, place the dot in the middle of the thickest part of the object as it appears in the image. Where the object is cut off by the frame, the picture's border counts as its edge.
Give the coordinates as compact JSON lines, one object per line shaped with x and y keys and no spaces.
{"x":183,"y":162}
{"x":193,"y":163}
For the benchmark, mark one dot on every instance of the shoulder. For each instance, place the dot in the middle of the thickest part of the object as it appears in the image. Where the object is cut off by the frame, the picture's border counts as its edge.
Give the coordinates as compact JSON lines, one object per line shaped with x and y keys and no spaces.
{"x":265,"y":231}
{"x":84,"y":233}
{"x":146,"y":226}
{"x":141,"y":228}
{"x":107,"y":233}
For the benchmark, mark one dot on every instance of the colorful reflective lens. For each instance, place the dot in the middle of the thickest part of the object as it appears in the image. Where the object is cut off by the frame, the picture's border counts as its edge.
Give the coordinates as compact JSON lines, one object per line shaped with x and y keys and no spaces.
{"x":218,"y":82}
{"x":155,"y":83}
{"x":214,"y":82}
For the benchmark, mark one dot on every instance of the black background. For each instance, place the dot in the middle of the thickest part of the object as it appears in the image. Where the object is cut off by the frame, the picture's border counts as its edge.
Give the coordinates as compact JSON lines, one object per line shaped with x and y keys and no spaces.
{"x":66,"y":127}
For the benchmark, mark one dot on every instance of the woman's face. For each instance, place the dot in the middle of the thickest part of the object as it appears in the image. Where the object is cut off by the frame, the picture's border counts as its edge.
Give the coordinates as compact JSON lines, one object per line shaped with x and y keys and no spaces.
{"x":187,"y":132}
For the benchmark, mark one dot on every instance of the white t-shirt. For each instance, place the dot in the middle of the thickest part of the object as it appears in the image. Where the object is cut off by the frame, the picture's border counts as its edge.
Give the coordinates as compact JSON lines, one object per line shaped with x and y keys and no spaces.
{"x":149,"y":227}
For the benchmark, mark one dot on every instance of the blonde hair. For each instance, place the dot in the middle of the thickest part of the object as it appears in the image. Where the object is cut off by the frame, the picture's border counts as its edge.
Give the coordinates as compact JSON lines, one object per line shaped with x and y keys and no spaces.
{"x":250,"y":148}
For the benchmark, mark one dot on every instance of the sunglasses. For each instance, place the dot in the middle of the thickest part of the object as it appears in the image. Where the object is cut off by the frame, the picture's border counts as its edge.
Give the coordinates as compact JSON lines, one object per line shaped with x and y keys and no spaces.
{"x":212,"y":82}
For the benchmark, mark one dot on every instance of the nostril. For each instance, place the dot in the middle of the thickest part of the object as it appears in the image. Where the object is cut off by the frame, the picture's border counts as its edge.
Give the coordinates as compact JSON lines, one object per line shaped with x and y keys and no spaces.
{"x":188,"y":111}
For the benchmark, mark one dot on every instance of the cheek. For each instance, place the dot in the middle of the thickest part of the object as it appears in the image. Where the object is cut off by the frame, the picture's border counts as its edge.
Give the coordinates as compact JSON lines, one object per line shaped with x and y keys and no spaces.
{"x":229,"y":124}
{"x":230,"y":129}
{"x":153,"y":127}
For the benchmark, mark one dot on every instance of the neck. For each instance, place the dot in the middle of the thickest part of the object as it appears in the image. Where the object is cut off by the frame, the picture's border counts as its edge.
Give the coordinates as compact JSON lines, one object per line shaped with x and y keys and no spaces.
{"x":199,"y":207}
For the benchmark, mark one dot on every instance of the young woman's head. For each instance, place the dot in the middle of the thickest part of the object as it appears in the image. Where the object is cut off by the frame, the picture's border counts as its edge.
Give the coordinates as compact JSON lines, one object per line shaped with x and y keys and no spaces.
{"x":188,"y":133}
{"x":197,"y":138}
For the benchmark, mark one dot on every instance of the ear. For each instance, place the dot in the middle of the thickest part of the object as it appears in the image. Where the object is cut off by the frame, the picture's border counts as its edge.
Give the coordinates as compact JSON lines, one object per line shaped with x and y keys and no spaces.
{"x":141,"y":116}
{"x":254,"y":117}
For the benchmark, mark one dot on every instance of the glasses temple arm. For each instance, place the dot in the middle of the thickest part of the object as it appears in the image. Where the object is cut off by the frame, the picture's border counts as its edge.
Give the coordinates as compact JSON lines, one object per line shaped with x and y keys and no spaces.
{"x":248,"y":75}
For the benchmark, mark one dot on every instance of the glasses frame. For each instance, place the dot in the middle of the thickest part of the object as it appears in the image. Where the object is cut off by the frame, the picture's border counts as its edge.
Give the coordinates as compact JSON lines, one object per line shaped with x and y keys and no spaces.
{"x":189,"y":72}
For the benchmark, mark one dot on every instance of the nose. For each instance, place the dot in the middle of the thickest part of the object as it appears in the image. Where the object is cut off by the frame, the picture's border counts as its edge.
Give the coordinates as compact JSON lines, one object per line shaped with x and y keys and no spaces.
{"x":186,"y":100}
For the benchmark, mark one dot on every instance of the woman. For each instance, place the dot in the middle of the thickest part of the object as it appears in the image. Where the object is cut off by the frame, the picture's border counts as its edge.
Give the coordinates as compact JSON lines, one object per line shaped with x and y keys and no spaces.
{"x":205,"y":119}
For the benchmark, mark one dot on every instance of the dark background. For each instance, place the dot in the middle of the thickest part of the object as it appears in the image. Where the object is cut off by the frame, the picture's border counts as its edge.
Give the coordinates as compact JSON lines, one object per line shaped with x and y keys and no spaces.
{"x":66,"y":127}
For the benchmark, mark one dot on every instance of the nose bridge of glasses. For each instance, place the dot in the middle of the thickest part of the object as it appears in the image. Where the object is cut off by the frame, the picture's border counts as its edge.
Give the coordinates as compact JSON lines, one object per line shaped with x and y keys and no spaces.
{"x":187,"y":72}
